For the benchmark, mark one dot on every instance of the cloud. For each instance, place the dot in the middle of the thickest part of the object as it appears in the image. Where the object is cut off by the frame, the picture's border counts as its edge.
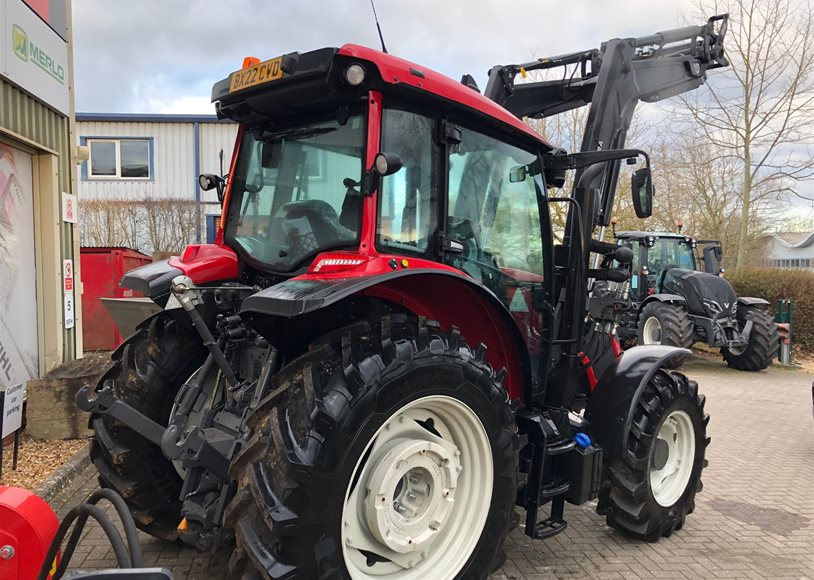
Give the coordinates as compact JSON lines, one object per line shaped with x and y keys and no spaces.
{"x":165,"y":55}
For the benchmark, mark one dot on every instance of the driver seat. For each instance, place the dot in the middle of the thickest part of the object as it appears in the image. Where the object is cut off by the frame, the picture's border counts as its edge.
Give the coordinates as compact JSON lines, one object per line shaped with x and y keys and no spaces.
{"x":323,"y":224}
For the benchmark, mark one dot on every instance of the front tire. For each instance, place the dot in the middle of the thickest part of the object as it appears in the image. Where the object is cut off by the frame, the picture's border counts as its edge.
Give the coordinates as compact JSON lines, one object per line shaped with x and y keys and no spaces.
{"x":761,"y":350}
{"x":649,"y":491}
{"x":667,"y":324}
{"x":387,"y":450}
{"x":147,"y":372}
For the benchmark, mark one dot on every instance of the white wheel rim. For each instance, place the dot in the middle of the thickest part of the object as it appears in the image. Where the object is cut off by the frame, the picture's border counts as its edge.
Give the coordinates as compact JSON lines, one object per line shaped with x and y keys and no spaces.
{"x":420,"y":501}
{"x":652,"y":331}
{"x":678,"y":435}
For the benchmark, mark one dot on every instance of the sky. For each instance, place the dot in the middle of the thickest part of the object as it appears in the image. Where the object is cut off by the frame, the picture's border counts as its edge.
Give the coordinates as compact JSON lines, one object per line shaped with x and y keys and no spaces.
{"x":163,"y":56}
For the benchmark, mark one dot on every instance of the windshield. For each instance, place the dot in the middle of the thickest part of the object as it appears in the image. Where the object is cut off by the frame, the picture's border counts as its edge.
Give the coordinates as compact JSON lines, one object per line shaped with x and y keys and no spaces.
{"x":295,"y":191}
{"x":669,"y":253}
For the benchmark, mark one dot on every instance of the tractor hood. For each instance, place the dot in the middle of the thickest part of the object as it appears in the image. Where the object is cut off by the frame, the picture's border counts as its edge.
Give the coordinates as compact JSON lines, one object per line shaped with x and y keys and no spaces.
{"x":706,"y":294}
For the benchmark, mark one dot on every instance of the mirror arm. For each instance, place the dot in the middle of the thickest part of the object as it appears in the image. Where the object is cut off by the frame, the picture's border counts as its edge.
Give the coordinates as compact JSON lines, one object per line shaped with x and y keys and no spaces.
{"x":370,"y":182}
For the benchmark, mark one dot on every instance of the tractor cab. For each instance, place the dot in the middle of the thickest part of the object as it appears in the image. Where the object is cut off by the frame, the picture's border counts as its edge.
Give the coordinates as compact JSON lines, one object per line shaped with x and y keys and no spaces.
{"x":654,"y":253}
{"x":351,"y":163}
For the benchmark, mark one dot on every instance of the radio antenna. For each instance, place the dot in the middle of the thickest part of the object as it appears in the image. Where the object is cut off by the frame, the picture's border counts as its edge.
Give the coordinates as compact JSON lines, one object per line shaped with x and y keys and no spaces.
{"x":379,"y":28}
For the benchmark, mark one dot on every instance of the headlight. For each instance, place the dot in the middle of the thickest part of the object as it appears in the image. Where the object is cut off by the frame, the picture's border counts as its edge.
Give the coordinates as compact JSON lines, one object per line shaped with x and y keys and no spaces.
{"x":355,"y":74}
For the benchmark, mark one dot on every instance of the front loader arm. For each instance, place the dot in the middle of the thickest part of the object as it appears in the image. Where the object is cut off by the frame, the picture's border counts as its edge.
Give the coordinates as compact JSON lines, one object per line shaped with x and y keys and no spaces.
{"x":613,"y":79}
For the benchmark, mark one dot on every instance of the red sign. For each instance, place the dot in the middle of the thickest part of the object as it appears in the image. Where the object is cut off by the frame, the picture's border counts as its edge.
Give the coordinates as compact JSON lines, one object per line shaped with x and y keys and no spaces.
{"x":67,"y":269}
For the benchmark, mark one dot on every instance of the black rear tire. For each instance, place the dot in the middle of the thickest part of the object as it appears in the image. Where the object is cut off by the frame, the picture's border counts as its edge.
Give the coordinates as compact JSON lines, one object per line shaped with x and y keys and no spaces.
{"x":761,"y":350}
{"x":308,"y":435}
{"x":675,"y":326}
{"x":626,"y":497}
{"x":147,"y":372}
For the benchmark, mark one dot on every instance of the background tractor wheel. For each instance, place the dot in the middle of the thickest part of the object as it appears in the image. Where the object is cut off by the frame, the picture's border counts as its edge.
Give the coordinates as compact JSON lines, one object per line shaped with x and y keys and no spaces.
{"x":649,"y":491}
{"x":387,"y":450}
{"x":668,"y":324}
{"x":147,"y":372}
{"x":761,"y":349}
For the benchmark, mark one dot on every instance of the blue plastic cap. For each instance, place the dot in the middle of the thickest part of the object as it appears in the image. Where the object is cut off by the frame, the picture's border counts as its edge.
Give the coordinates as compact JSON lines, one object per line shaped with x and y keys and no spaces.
{"x":582,"y":440}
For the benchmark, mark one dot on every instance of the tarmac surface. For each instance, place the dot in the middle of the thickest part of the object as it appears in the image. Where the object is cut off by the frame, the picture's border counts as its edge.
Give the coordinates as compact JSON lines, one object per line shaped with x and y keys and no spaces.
{"x":754,"y":518}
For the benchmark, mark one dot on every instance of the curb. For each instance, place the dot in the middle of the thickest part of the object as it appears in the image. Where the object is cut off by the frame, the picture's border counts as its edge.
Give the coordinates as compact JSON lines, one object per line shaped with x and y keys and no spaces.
{"x":55,"y":483}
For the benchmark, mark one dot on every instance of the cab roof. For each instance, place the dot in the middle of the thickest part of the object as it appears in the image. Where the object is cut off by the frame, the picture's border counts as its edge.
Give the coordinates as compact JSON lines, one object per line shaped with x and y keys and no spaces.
{"x":395,"y":70}
{"x":316,"y":75}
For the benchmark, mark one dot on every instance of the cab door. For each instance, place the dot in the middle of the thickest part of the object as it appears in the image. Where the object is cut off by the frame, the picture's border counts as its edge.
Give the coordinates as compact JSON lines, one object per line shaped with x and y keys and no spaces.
{"x":497,"y":211}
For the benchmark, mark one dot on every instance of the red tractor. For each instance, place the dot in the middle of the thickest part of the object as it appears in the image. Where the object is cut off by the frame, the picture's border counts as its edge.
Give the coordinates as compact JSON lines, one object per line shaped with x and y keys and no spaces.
{"x":384,"y":353}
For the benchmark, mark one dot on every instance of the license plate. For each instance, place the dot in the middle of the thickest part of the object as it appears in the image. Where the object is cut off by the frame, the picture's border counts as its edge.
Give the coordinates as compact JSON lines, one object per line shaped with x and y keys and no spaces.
{"x":265,"y":72}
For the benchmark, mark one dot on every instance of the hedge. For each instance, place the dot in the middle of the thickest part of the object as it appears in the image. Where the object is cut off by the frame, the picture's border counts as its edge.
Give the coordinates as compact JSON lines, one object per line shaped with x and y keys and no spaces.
{"x":776,"y":284}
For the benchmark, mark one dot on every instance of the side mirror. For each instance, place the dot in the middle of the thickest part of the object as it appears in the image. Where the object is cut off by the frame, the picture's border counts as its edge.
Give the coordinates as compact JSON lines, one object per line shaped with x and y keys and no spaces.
{"x":719,"y":252}
{"x":518,"y":174}
{"x":386,"y":164}
{"x":210,"y":181}
{"x":641,"y":186}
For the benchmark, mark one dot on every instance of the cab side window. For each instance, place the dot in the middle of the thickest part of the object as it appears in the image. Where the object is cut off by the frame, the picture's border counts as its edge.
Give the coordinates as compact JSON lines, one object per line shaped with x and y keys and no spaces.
{"x":408,"y":199}
{"x":493,"y":209}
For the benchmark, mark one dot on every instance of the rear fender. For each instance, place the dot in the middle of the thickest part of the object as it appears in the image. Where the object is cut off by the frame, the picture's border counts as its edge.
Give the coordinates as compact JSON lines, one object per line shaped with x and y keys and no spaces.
{"x":445,"y":296}
{"x":610,"y":409}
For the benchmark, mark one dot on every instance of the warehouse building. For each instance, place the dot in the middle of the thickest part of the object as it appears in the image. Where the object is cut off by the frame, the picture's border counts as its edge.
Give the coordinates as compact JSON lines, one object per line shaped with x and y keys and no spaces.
{"x":790,"y":250}
{"x":39,"y":278}
{"x":139,"y":185}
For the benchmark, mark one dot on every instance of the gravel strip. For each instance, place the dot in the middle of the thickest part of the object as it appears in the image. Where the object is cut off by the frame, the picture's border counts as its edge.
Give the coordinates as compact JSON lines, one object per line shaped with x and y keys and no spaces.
{"x":39,"y":460}
{"x":55,"y":483}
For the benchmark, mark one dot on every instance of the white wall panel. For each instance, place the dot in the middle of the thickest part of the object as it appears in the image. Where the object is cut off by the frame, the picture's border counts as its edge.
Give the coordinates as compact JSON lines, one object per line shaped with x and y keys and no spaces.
{"x":214,"y":137}
{"x":173,"y":158}
{"x":173,"y":166}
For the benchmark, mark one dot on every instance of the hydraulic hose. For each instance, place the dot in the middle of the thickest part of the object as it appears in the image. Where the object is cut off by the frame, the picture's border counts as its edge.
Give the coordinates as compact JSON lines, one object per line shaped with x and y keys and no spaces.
{"x":80,"y":515}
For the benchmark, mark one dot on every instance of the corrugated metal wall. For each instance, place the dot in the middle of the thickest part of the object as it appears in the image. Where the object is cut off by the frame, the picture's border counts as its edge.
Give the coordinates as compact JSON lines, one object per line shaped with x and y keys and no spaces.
{"x":173,"y":158}
{"x":214,"y":137}
{"x":31,"y":119}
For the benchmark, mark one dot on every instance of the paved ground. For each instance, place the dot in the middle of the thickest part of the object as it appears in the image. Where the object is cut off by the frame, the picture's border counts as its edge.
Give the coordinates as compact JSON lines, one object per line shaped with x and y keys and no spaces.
{"x":754,"y":519}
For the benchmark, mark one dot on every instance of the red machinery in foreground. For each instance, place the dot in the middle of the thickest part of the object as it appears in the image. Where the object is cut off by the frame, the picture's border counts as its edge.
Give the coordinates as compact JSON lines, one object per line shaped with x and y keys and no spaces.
{"x":307,"y":401}
{"x":27,"y":527}
{"x":31,"y":536}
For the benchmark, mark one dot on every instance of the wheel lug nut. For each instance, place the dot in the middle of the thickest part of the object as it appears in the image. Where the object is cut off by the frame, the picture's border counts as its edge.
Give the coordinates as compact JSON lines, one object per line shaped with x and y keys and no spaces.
{"x":410,"y":495}
{"x":400,"y":508}
{"x":413,"y":479}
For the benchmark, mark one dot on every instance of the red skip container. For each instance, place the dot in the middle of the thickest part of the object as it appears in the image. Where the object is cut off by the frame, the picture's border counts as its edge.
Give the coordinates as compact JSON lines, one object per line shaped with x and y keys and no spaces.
{"x":102,"y":268}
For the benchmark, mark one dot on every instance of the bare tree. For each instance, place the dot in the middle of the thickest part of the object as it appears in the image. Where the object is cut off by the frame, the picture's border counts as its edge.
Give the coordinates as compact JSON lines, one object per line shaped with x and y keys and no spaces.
{"x":149,"y":225}
{"x":757,"y":110}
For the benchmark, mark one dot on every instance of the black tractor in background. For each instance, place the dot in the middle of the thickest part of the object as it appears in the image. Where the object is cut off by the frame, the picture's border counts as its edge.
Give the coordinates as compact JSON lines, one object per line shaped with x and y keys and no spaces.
{"x":675,"y":303}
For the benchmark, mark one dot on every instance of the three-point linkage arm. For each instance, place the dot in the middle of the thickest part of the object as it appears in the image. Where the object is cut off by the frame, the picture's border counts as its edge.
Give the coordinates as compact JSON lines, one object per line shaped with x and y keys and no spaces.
{"x":613,"y":79}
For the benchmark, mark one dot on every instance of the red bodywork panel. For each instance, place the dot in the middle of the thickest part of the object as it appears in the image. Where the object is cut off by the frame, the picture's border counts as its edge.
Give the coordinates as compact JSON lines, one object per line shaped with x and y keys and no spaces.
{"x":208,"y":263}
{"x":28,"y":525}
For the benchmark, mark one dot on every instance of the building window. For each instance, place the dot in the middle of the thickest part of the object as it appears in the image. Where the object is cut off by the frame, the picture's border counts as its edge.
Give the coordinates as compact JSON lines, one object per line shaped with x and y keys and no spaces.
{"x":119,"y":158}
